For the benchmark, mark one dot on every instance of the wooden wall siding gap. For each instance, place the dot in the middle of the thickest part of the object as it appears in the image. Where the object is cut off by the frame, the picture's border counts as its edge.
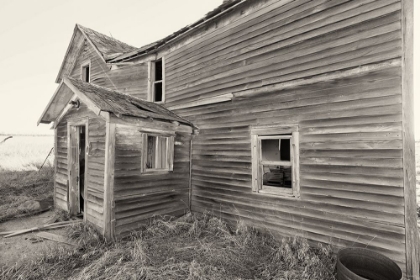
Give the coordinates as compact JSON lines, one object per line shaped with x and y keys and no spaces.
{"x":304,"y":100}
{"x":307,"y":112}
{"x":320,"y":78}
{"x":351,"y":63}
{"x":307,"y":91}
{"x":206,"y":101}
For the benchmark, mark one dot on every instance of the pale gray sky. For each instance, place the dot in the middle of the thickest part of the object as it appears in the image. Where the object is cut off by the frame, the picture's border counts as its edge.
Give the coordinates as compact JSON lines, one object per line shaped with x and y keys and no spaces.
{"x":35,"y":35}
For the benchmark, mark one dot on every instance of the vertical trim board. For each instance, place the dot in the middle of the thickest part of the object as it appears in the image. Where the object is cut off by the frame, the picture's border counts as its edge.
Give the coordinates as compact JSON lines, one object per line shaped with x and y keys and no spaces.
{"x":412,"y":237}
{"x":109,"y":179}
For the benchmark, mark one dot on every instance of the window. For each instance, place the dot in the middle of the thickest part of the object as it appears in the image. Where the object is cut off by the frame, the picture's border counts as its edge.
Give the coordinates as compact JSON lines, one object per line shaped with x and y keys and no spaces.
{"x":275,"y":161}
{"x":157,"y":83}
{"x":157,"y":153}
{"x":86,"y":72}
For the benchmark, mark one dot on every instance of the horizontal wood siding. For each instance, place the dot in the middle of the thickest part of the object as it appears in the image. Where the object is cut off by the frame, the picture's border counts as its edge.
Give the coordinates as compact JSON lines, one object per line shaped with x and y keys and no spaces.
{"x":96,"y":162}
{"x":61,"y":179}
{"x":350,"y":128}
{"x":130,"y":79}
{"x":140,"y":197}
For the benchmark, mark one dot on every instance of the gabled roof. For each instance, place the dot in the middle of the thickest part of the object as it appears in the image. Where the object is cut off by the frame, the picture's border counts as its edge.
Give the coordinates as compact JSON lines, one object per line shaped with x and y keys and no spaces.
{"x":99,"y":99}
{"x":106,"y":47}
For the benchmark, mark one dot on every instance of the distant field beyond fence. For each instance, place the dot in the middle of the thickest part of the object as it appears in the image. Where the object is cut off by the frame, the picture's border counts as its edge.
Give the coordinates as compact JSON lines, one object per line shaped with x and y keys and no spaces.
{"x":25,"y":152}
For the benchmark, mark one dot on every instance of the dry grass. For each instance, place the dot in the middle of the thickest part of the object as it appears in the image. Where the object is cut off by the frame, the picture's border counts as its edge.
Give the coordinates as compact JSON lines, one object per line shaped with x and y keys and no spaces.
{"x":189,"y":248}
{"x":17,"y":187}
{"x":23,"y":153}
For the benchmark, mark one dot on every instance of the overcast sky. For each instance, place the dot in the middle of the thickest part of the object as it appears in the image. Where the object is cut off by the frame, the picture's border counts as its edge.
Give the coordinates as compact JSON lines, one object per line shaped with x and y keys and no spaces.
{"x":35,"y":36}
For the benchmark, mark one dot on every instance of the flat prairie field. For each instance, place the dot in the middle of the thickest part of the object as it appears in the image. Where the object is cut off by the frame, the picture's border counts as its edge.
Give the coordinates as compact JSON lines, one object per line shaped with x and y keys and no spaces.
{"x":24,"y":153}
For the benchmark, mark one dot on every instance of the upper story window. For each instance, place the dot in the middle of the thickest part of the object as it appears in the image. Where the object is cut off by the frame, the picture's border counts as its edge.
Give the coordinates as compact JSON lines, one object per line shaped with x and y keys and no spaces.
{"x":275,"y":161}
{"x":157,"y":81}
{"x":86,"y":72}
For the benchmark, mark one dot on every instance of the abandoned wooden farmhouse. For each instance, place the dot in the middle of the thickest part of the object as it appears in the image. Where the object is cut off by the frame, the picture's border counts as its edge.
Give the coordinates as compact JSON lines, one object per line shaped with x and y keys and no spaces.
{"x":294,"y":116}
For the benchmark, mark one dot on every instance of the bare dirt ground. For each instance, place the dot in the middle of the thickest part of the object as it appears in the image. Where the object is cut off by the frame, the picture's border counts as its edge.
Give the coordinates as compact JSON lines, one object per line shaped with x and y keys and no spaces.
{"x":19,"y":248}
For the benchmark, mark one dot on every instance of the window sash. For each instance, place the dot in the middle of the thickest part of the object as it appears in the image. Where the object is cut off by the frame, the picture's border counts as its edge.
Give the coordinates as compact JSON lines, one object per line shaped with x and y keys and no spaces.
{"x":258,"y":164}
{"x":85,"y":72}
{"x":163,"y":161}
{"x":153,"y":82}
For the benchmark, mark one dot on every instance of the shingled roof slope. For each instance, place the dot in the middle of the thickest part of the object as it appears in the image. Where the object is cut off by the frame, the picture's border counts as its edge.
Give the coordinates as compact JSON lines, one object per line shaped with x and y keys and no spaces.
{"x":122,"y":104}
{"x":107,"y":46}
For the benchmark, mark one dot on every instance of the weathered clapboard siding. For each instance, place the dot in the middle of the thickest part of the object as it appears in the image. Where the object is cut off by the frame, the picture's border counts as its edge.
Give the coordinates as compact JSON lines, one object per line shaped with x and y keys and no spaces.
{"x":130,"y":79}
{"x":94,"y":182}
{"x":61,"y":183}
{"x":139,"y":197}
{"x":351,"y":167}
{"x":350,"y":164}
{"x":285,"y":53}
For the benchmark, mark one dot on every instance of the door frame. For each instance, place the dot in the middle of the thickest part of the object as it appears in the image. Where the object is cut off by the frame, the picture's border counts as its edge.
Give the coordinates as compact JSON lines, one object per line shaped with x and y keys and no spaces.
{"x":73,"y":186}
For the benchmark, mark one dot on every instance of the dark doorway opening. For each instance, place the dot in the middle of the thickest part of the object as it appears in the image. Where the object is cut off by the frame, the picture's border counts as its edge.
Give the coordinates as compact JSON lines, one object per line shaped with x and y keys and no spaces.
{"x":82,"y":168}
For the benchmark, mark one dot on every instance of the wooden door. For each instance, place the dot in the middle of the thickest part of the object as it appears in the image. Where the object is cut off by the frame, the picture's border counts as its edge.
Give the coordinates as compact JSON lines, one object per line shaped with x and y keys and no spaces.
{"x":73,"y":166}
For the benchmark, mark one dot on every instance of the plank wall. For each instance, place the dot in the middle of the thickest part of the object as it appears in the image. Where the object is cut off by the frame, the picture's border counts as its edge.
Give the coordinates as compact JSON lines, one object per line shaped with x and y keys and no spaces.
{"x":96,"y":161}
{"x":130,"y":79}
{"x":140,"y":197}
{"x":350,"y":128}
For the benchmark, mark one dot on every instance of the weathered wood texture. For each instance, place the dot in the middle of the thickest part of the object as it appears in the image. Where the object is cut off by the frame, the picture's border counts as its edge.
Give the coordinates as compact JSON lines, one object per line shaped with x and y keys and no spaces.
{"x":130,"y":79}
{"x":412,"y":236}
{"x":351,"y":162}
{"x":96,"y":162}
{"x":139,"y":197}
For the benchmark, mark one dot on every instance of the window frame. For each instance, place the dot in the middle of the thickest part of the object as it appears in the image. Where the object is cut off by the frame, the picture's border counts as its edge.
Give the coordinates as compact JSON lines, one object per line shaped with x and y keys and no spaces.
{"x":276,"y":132}
{"x":169,"y":153}
{"x":86,"y":63}
{"x":152,"y":81}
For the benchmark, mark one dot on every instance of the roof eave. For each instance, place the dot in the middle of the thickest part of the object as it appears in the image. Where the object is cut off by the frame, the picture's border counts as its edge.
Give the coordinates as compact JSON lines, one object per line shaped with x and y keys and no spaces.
{"x":49,"y":104}
{"x":188,"y":29}
{"x":58,"y":79}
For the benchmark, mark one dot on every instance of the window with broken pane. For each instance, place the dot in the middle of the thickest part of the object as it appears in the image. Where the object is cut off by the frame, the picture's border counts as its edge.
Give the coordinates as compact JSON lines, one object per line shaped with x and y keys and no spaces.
{"x":158,"y":153}
{"x":276,"y":162}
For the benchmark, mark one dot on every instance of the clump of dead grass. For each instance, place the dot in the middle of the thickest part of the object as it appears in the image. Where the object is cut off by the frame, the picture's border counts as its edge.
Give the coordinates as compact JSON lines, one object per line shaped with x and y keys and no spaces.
{"x":62,"y":262}
{"x":192,"y":247}
{"x":17,"y":187}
